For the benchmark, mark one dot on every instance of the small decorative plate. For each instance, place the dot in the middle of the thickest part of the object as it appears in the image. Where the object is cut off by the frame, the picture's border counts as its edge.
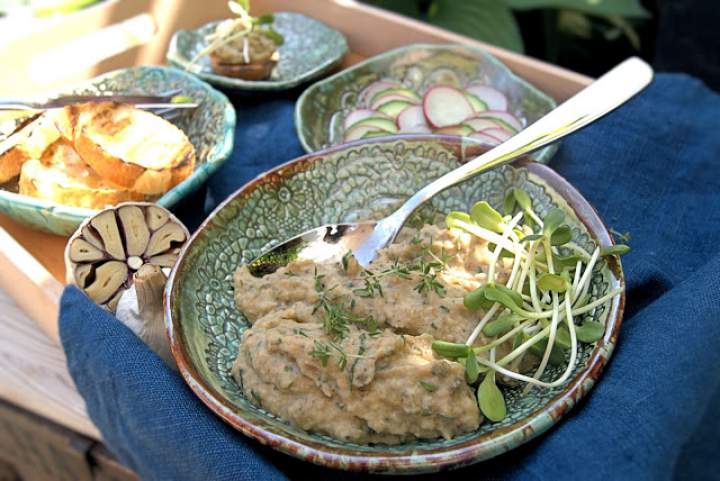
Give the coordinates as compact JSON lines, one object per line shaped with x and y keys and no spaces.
{"x":210,"y":128}
{"x":311,"y":48}
{"x":354,"y":181}
{"x":320,"y":110}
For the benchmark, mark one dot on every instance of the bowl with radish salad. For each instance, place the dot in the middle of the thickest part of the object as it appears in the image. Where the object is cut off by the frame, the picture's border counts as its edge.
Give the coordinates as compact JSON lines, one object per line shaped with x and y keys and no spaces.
{"x":421,"y":89}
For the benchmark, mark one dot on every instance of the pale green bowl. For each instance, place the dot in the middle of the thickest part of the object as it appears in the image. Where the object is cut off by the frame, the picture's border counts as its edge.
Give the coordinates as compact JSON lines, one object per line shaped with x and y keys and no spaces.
{"x":321,"y":109}
{"x":210,"y":128}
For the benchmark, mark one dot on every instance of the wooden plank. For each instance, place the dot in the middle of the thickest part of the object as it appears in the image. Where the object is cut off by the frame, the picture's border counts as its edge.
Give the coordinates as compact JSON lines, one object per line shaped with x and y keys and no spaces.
{"x":34,"y":374}
{"x":41,"y":451}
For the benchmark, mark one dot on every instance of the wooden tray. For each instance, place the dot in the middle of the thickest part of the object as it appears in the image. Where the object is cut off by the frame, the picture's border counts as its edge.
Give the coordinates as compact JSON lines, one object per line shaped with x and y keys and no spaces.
{"x":137,"y":32}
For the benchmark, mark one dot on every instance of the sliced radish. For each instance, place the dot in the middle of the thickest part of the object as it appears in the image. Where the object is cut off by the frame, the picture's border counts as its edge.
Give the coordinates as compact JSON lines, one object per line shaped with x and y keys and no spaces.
{"x":455,"y":130}
{"x":502,"y":119}
{"x":355,"y":116}
{"x":378,"y":86}
{"x":416,"y":129}
{"x":485,"y":138}
{"x":382,"y":123}
{"x":383,"y":98}
{"x":446,"y":106}
{"x":358,"y":131}
{"x":478,"y":124}
{"x":394,"y":107}
{"x":477,"y":104}
{"x":501,"y":134}
{"x":411,"y":117}
{"x":493,"y":98}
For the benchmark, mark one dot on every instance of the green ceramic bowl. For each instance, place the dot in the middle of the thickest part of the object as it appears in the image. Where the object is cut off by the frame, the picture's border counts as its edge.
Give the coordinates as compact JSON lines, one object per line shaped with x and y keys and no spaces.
{"x":210,"y":128}
{"x":320,"y":111}
{"x":310,"y":49}
{"x":355,"y":181}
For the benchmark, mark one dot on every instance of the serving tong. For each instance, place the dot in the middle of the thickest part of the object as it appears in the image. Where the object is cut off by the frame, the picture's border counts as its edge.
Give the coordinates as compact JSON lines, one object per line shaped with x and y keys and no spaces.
{"x":161,"y":104}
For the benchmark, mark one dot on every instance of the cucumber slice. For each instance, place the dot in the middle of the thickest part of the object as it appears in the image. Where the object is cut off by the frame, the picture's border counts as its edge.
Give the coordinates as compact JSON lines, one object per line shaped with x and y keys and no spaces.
{"x":502,"y":119}
{"x":492,"y":98}
{"x":406,"y":94}
{"x":378,"y":86}
{"x":477,"y":104}
{"x":383,"y":98}
{"x":446,"y":106}
{"x":355,"y":116}
{"x":480,"y":124}
{"x":381,"y":123}
{"x":394,"y":107}
{"x":455,"y":130}
{"x":372,"y":134}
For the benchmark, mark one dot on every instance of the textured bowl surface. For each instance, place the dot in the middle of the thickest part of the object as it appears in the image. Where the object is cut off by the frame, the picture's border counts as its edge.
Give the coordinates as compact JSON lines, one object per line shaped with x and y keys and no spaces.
{"x":351,"y":182}
{"x":210,"y":128}
{"x":321,"y":109}
{"x":310,"y":49}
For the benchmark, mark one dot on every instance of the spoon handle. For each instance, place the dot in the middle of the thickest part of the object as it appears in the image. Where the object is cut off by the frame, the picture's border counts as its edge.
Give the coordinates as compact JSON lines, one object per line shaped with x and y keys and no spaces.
{"x":602,"y":96}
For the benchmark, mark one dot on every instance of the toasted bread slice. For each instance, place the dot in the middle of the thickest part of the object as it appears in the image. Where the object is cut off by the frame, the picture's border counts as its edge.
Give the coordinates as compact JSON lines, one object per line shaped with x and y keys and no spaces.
{"x":129,"y":147}
{"x":61,"y":176}
{"x":29,"y":140}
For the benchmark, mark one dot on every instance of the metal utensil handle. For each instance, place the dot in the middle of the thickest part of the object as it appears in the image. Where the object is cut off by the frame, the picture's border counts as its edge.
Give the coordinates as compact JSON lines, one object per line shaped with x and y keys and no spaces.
{"x":16,"y":104}
{"x":602,"y":96}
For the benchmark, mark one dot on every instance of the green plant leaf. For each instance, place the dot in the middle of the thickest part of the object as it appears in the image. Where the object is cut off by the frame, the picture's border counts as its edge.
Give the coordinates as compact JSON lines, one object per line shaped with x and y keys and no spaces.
{"x":472,"y":370}
{"x":562,"y":337}
{"x":428,"y":386}
{"x":493,"y":293}
{"x":476,"y":299}
{"x":264,"y":19}
{"x":616,"y":250}
{"x":501,"y":325}
{"x":552,"y":220}
{"x":623,"y":8}
{"x":509,"y":203}
{"x":552,"y":282}
{"x":490,"y":399}
{"x":523,"y":199}
{"x":557,"y":355}
{"x":566,"y":262}
{"x":590,"y":331}
{"x":531,"y":237}
{"x":561,"y":236}
{"x":276,"y":37}
{"x":486,"y":217}
{"x":450,"y":349}
{"x":454,"y":216}
{"x":487,"y":20}
{"x":503,"y":252}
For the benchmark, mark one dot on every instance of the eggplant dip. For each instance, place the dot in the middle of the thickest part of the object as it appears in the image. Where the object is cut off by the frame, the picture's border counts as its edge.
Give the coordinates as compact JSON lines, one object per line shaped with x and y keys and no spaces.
{"x":415,"y":347}
{"x":341,"y":351}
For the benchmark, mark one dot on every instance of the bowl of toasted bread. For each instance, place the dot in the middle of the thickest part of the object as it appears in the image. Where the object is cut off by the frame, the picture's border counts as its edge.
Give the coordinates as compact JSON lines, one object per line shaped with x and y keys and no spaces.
{"x":61,"y":165}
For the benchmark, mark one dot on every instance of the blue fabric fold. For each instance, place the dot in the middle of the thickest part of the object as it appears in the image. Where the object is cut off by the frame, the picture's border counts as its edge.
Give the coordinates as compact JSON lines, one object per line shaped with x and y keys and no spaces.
{"x":651,"y":169}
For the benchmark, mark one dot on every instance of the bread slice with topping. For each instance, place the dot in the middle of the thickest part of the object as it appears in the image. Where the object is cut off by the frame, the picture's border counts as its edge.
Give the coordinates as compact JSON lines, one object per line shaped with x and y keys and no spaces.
{"x":61,"y":176}
{"x":28,"y":141}
{"x":129,"y":147}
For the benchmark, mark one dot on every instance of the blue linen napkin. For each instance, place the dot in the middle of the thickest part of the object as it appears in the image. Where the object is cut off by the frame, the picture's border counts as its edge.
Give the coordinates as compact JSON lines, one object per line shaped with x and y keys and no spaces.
{"x":651,"y":168}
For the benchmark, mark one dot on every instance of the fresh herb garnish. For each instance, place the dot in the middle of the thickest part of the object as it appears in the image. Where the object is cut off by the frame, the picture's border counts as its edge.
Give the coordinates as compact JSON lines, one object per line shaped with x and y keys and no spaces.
{"x":428,"y":386}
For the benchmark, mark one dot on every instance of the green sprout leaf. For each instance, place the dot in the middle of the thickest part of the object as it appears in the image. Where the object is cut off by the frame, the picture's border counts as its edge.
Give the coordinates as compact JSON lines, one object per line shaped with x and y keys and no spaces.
{"x":236,"y":6}
{"x":490,"y":399}
{"x":454,"y":219}
{"x":181,"y":99}
{"x":503,"y":252}
{"x":274,"y":36}
{"x":531,"y":237}
{"x":557,"y":355}
{"x":616,"y":250}
{"x":566,"y":262}
{"x":552,"y":282}
{"x":561,"y":236}
{"x":553,"y":220}
{"x":590,"y":331}
{"x":266,"y":19}
{"x":476,"y":299}
{"x":504,"y":296}
{"x":562,"y":337}
{"x":450,"y":349}
{"x":487,"y":217}
{"x":428,"y":386}
{"x":501,"y":325}
{"x":472,"y":370}
{"x":509,"y":203}
{"x":523,"y":199}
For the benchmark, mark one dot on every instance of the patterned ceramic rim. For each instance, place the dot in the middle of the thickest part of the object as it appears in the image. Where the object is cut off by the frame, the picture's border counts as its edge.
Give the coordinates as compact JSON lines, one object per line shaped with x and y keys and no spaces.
{"x":544,"y":155}
{"x":215,"y":159}
{"x":468,"y":452}
{"x":175,"y":57}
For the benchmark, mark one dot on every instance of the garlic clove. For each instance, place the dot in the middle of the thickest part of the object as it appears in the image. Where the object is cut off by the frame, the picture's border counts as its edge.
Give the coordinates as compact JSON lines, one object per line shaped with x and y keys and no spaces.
{"x":166,"y":237}
{"x":106,"y":225}
{"x":108,"y":279}
{"x":135,"y":228}
{"x":156,"y":217}
{"x":82,"y":251}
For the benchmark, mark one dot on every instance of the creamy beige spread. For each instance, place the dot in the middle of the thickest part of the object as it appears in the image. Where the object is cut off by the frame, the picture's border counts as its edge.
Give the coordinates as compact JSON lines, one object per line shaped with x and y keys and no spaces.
{"x":379,"y":382}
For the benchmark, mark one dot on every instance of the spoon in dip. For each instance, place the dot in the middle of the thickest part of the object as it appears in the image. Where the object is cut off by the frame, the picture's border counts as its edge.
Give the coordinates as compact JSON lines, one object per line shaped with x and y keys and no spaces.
{"x":329,"y":243}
